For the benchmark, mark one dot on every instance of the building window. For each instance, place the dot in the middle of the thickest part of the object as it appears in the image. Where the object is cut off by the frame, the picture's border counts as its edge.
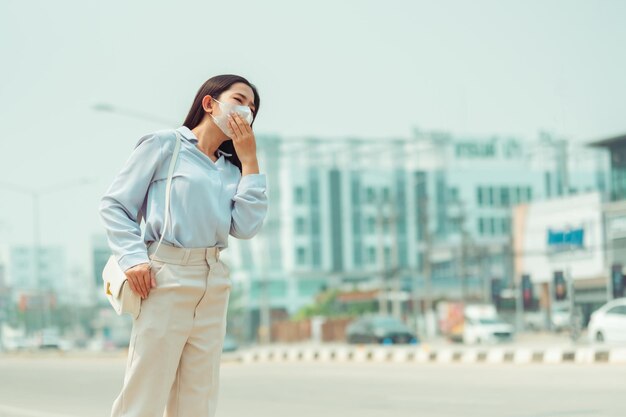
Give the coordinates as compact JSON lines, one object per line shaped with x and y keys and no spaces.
{"x":300,"y":226}
{"x":370,"y":195}
{"x":386,"y":195}
{"x":504,"y":197}
{"x":299,"y":195}
{"x":301,"y":256}
{"x":529,"y":194}
{"x":371,"y":225}
{"x":506,"y":225}
{"x":311,"y":287}
{"x":371,"y":254}
{"x":387,"y":255}
{"x":453,"y":194}
{"x":480,"y":198}
{"x":490,"y":196}
{"x":481,"y":226}
{"x":491,"y":226}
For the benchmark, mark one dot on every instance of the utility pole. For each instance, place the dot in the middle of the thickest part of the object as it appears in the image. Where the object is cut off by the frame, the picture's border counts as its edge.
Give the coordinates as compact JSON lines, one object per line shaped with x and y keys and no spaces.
{"x":395,"y":263}
{"x":464,"y":252}
{"x":426,"y":264}
{"x":380,"y":256}
{"x":519,"y":304}
{"x":387,"y":218}
{"x":485,"y":273}
{"x":573,"y":315}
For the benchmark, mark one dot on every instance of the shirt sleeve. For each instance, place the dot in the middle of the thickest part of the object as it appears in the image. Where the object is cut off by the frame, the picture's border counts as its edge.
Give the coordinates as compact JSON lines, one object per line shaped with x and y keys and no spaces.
{"x":120,"y":205}
{"x":249,"y":206}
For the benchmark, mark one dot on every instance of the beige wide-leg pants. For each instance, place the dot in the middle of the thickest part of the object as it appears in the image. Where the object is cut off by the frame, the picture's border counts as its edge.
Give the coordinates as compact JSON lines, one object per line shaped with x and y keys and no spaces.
{"x":176,"y":342}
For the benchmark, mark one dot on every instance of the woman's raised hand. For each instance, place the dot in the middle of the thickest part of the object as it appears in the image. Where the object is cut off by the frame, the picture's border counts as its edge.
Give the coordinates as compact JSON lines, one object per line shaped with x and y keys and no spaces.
{"x":243,"y":138}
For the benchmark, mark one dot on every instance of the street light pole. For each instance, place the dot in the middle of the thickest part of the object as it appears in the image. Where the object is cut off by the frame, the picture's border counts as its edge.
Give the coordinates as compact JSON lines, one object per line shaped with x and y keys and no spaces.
{"x":37,"y":260}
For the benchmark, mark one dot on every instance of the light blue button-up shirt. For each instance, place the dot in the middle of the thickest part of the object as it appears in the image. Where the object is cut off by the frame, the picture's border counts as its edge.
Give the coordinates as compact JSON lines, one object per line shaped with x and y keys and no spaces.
{"x":209,"y":200}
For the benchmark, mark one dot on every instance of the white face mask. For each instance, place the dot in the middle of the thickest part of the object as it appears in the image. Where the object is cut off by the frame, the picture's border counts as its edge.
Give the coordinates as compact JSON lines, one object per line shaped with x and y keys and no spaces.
{"x":227,"y":108}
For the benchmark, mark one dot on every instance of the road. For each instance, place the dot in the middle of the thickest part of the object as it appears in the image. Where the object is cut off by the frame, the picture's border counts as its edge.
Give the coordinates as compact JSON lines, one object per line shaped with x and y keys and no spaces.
{"x":86,"y":387}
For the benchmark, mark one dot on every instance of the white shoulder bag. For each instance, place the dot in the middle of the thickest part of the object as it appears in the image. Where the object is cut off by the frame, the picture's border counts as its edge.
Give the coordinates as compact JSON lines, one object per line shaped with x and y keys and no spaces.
{"x":116,"y":286}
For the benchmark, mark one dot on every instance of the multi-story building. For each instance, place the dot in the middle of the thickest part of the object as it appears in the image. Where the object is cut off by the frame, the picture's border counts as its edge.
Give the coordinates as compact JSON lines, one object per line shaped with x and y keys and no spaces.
{"x":41,"y":270}
{"x":430,"y":212}
{"x":38,"y":279}
{"x":563,"y":238}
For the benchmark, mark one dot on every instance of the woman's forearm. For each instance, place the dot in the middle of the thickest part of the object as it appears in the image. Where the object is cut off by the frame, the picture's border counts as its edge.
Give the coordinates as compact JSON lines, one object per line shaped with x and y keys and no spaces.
{"x":251,"y":167}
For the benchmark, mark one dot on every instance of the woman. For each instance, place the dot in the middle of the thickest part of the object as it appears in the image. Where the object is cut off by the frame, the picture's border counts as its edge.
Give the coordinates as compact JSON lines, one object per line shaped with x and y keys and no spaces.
{"x":216,"y":191}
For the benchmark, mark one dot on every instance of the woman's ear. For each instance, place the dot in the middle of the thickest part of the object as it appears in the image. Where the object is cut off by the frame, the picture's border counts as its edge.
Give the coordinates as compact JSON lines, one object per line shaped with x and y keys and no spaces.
{"x":207,"y":104}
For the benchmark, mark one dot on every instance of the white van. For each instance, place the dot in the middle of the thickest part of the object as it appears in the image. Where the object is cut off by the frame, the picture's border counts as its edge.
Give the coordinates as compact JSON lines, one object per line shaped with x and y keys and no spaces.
{"x":482,"y":325}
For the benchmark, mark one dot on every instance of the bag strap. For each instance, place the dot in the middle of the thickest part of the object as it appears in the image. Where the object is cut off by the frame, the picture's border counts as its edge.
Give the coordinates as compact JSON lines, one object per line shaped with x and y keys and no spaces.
{"x":168,"y":186}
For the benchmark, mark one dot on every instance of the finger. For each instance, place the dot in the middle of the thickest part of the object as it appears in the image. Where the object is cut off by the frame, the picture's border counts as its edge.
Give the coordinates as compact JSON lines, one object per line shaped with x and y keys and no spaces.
{"x":131,"y":283}
{"x":147,"y":280}
{"x":241,"y":121}
{"x":140,"y":285}
{"x":234,"y":129}
{"x":237,"y":123}
{"x":244,"y":124}
{"x":234,"y":134}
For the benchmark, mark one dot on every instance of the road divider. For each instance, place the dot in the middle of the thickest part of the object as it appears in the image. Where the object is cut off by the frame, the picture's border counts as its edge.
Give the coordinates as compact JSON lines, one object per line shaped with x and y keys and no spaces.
{"x":424,"y":354}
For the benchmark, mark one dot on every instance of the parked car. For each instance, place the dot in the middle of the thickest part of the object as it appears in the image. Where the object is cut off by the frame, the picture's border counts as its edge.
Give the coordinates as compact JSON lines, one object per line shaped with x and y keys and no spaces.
{"x":380,"y":329}
{"x":608,"y":323}
{"x":482,"y":325}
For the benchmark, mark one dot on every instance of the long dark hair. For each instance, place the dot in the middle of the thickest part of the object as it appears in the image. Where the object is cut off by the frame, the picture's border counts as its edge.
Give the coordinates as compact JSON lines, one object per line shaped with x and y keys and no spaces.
{"x":213,"y":87}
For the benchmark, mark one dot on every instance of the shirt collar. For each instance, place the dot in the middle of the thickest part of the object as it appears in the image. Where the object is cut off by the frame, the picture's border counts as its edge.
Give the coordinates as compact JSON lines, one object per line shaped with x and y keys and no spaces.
{"x":188,"y":134}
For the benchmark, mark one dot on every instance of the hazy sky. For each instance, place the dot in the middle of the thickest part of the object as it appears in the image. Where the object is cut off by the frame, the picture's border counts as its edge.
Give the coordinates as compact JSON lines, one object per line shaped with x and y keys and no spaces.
{"x":329,"y":68}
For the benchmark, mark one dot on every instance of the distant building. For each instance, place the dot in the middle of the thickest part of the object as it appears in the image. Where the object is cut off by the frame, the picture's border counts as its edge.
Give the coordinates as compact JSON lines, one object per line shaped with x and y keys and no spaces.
{"x":41,"y":270}
{"x":563,"y":236}
{"x":435,"y":205}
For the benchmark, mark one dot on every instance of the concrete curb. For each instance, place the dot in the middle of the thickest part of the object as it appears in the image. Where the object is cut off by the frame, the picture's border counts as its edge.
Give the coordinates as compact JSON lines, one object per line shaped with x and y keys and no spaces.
{"x":448,"y":355}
